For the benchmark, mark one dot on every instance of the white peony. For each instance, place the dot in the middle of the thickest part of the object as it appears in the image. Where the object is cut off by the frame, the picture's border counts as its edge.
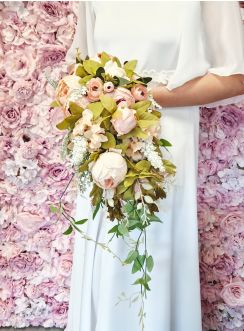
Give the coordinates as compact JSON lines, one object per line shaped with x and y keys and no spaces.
{"x":112,"y":68}
{"x":109,"y":170}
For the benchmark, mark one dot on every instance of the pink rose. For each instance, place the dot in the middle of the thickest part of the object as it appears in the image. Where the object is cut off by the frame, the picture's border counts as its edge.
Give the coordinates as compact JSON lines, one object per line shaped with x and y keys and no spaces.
{"x":12,"y":116}
{"x":50,"y":55}
{"x":124,"y":120}
{"x":50,"y":11}
{"x":65,"y":264}
{"x":25,"y":262}
{"x":58,"y":172}
{"x":210,"y":292}
{"x":229,"y":119}
{"x":28,"y":222}
{"x":123,"y":94}
{"x":232,"y":223}
{"x":233,"y":294}
{"x":22,"y":91}
{"x":48,"y":288}
{"x":19,"y":63}
{"x":65,"y":34}
{"x":109,"y":170}
{"x":60,"y":311}
{"x":207,"y":147}
{"x":139,"y":92}
{"x":224,"y":265}
{"x":108,"y":87}
{"x":225,"y":149}
{"x":94,"y":89}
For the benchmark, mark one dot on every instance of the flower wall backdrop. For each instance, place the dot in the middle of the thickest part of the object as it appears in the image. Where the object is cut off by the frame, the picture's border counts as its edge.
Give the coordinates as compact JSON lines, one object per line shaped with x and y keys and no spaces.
{"x":35,"y":258}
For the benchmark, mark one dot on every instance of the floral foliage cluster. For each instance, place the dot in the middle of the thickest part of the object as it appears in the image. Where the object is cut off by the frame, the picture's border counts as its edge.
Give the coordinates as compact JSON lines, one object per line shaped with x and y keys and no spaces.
{"x":114,"y":147}
{"x":35,"y":258}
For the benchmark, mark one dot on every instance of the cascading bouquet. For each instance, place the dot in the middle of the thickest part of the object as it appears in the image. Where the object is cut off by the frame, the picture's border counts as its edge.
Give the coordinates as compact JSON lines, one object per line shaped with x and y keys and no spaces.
{"x":113,"y":144}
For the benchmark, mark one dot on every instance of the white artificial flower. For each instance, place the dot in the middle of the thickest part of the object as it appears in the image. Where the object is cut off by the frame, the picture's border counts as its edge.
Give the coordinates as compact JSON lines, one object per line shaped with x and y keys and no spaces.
{"x":152,"y":156}
{"x":79,"y":150}
{"x":112,"y":68}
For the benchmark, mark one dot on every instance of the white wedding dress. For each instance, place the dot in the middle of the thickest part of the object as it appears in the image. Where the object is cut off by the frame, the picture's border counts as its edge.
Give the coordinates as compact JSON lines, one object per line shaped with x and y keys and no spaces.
{"x":173,"y":42}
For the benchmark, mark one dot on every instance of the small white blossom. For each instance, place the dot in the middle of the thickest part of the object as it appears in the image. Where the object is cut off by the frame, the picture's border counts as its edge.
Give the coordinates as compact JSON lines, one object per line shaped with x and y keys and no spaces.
{"x":152,"y":155}
{"x":79,"y":150}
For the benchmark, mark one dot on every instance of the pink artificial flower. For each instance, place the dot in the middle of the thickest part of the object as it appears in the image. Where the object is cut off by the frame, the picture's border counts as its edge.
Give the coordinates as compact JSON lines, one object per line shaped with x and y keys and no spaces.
{"x":124,"y":120}
{"x":50,"y":55}
{"x":232,"y":223}
{"x":108,"y":87}
{"x":139,"y":92}
{"x":109,"y":170}
{"x":94,"y":89}
{"x":123,"y":94}
{"x":233,"y":294}
{"x":28,"y":222}
{"x":19,"y":63}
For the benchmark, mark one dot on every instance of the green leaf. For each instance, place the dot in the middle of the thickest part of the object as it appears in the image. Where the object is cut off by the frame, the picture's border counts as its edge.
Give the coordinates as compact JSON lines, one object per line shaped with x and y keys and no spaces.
{"x":96,"y":209}
{"x":64,"y":125}
{"x":55,"y":104}
{"x":129,"y":181}
{"x":96,"y":108}
{"x":154,"y":218}
{"x":129,"y":67}
{"x":149,"y":263}
{"x":104,"y":58}
{"x":128,"y":208}
{"x":113,"y":229}
{"x":148,"y":117}
{"x":143,"y":165}
{"x":111,"y":143}
{"x":136,"y":266}
{"x":164,"y":143}
{"x":137,"y":132}
{"x":122,"y":229}
{"x":108,"y":103}
{"x":68,"y":231}
{"x":123,"y":81}
{"x":54,"y":209}
{"x":85,"y":79}
{"x":81,"y":221}
{"x":80,"y":71}
{"x":145,"y":124}
{"x":91,"y":66}
{"x":129,"y":194}
{"x":131,"y":257}
{"x":75,"y":109}
{"x":143,"y":105}
{"x":68,"y":122}
{"x":145,"y":80}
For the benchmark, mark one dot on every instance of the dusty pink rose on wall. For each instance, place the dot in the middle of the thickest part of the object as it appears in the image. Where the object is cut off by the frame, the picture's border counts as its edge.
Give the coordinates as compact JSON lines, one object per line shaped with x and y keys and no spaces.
{"x":233,"y":294}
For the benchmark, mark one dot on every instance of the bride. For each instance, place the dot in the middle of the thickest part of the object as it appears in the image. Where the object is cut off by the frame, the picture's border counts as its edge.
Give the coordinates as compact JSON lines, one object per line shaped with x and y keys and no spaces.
{"x":194,"y":51}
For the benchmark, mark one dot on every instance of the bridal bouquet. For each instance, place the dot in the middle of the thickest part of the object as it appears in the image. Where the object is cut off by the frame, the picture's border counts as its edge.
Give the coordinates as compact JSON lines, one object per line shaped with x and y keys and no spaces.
{"x":113,"y":144}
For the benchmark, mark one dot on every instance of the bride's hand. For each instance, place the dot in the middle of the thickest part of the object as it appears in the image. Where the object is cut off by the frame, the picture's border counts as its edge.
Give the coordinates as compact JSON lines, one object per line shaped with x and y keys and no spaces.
{"x":200,"y":91}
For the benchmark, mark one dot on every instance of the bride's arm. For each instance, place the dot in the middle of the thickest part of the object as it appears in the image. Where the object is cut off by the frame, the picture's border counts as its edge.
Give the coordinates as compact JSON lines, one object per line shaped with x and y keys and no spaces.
{"x":201,"y":90}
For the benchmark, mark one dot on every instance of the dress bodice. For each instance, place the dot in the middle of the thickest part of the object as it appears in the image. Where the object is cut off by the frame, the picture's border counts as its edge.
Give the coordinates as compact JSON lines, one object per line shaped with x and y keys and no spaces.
{"x":154,"y":33}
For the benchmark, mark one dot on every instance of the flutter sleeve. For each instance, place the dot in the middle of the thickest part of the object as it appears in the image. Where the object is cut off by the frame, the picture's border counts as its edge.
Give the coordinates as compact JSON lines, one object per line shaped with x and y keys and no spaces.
{"x":214,"y":42}
{"x":83,"y":38}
